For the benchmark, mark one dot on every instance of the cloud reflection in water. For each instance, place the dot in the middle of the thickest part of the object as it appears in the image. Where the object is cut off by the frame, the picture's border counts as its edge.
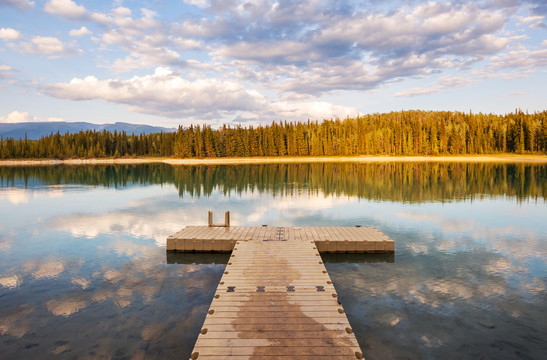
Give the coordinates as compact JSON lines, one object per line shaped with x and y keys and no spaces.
{"x":467,"y":276}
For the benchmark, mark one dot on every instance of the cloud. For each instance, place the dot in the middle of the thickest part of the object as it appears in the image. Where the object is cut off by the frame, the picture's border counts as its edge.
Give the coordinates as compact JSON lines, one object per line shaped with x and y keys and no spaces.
{"x":66,"y":8}
{"x":44,"y":269}
{"x":10,"y":282}
{"x":275,"y":52}
{"x":351,"y":49}
{"x":122,"y":11}
{"x":522,"y":59}
{"x":430,"y":27}
{"x":147,"y":41}
{"x":65,"y":307}
{"x":16,"y":323}
{"x":18,"y":4}
{"x":80,"y":32}
{"x":72,"y":11}
{"x":15,"y":196}
{"x":515,"y":94}
{"x":17,"y":117}
{"x":286,"y":50}
{"x":145,"y":54}
{"x":22,"y":196}
{"x":10,"y":34}
{"x":417,"y":92}
{"x":164,"y":93}
{"x":313,"y":110}
{"x":444,"y":83}
{"x":167,"y":93}
{"x":539,"y":7}
{"x":5,"y":244}
{"x":6,"y":72}
{"x":22,"y":116}
{"x":45,"y":45}
{"x":531,"y":21}
{"x":198,"y":3}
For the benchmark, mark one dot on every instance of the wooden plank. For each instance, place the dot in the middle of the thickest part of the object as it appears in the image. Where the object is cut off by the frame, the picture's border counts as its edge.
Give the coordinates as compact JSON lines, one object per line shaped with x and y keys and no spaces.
{"x":342,"y":342}
{"x":273,"y":350}
{"x":273,"y":328}
{"x":213,"y":333}
{"x":275,"y":357}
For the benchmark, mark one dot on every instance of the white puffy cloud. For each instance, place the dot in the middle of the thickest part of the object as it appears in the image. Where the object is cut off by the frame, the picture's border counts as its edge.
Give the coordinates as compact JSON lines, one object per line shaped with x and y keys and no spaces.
{"x":79,"y":32}
{"x":67,"y":8}
{"x":122,"y":11}
{"x":23,"y":116}
{"x":198,"y":3}
{"x":167,"y":93}
{"x":10,"y":34}
{"x":70,"y":10}
{"x":19,"y":4}
{"x":16,"y":117}
{"x":46,"y":45}
{"x":164,"y":93}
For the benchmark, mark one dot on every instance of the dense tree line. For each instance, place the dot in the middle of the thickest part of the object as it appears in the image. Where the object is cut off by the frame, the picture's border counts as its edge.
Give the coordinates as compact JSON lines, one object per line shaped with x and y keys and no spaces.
{"x":395,"y":133}
{"x":413,"y":182}
{"x":89,"y":144}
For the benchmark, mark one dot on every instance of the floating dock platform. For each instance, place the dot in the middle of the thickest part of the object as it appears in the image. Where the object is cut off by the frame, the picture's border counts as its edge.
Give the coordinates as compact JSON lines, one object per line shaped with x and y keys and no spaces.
{"x":275,"y":299}
{"x":327,"y":239}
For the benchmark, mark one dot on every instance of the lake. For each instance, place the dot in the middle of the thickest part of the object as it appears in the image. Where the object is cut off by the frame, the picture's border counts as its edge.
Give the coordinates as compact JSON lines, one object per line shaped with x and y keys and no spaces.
{"x":84,"y":272}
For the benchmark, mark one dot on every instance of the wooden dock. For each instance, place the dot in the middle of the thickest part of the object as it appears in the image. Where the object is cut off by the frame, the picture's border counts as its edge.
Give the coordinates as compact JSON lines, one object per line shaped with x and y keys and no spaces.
{"x":275,"y":299}
{"x":327,"y":239}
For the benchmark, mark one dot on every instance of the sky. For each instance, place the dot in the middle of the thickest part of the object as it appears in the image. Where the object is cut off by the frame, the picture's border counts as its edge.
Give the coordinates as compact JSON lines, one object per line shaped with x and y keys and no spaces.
{"x":250,"y":62}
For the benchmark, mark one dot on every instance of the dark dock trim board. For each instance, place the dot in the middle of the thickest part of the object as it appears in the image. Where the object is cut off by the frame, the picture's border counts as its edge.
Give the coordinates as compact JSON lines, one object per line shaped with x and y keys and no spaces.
{"x":275,"y":299}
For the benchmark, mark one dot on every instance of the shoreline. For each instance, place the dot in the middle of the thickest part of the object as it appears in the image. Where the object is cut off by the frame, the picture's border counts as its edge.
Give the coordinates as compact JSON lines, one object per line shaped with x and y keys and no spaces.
{"x":505,"y":158}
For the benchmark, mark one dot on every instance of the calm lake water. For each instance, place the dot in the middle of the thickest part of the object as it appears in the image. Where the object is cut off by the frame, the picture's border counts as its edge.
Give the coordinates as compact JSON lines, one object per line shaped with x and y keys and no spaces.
{"x":84,"y":272}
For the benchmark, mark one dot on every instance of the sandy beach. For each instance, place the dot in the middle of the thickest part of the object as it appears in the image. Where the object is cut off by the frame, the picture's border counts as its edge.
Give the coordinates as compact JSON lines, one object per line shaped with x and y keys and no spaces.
{"x":505,"y":158}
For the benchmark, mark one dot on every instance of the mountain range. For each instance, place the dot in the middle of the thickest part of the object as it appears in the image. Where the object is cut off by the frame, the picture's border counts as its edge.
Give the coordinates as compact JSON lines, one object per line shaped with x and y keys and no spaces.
{"x":35,"y":130}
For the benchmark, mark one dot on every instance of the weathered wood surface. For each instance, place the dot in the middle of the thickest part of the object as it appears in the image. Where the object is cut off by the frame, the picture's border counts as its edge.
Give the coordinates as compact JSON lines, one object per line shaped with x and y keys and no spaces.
{"x":327,"y":239}
{"x":275,"y":299}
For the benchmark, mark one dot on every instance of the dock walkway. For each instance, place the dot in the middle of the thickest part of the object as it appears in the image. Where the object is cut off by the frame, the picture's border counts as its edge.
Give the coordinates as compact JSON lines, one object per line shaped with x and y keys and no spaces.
{"x":275,"y":299}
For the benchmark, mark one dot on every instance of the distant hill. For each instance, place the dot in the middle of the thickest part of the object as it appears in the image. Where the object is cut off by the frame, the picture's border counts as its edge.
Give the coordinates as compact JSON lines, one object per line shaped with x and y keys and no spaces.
{"x":36,"y":130}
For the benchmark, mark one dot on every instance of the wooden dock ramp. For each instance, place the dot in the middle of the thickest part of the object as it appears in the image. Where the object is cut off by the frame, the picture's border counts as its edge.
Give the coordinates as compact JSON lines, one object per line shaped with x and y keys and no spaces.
{"x":275,"y":299}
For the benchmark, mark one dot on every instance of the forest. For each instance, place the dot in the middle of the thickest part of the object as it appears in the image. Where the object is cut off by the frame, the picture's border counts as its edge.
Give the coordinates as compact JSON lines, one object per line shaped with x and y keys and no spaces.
{"x":394,"y":133}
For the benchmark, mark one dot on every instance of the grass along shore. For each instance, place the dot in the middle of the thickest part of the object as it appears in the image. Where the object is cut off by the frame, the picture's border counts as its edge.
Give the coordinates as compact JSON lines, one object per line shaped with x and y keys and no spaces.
{"x":506,"y":158}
